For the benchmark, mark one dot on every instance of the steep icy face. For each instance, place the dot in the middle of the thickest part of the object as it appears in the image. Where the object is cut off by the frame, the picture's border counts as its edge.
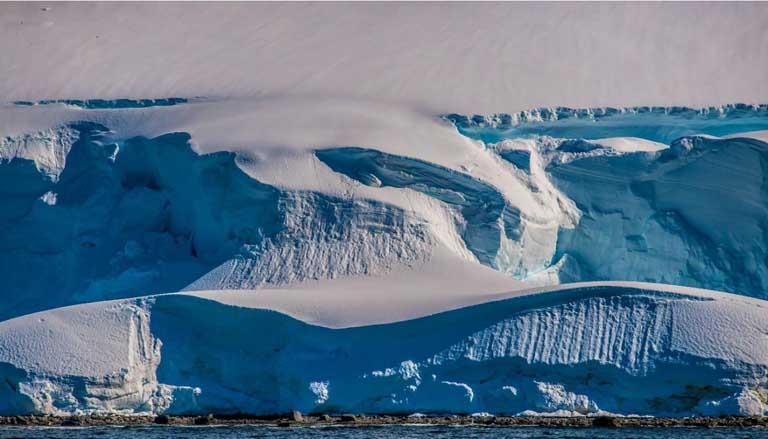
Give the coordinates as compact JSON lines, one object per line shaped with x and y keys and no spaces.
{"x":586,"y":350}
{"x":323,"y":238}
{"x":589,"y":349}
{"x":71,"y":356}
{"x":694,"y":214}
{"x":102,"y":218}
{"x":47,"y":150}
{"x":691,"y":213}
{"x":514,"y":236}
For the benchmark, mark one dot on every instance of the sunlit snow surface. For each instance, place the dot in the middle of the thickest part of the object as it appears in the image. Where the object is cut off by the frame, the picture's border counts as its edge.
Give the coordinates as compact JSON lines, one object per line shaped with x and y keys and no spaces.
{"x":346,"y":256}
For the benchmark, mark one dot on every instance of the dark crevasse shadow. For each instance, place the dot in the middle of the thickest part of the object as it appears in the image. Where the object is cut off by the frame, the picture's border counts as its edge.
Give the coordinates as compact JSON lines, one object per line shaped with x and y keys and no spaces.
{"x":151,"y":215}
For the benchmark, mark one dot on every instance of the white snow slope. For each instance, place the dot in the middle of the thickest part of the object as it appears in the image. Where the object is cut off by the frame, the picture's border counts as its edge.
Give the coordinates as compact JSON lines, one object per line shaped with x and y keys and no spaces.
{"x":257,"y":208}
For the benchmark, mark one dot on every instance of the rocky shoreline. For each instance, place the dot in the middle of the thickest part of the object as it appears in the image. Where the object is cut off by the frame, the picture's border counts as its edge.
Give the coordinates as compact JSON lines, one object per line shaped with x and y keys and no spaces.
{"x":297,"y":419}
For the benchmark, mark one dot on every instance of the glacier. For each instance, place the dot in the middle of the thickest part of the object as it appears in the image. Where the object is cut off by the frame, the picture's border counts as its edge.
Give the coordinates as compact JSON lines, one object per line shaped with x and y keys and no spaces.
{"x":194,"y":255}
{"x":580,"y":349}
{"x":696,"y":207}
{"x":103,"y":219}
{"x":255,"y":208}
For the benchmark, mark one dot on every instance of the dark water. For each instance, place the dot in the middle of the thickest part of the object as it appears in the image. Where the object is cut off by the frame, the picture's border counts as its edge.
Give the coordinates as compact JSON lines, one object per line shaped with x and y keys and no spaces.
{"x":377,"y":432}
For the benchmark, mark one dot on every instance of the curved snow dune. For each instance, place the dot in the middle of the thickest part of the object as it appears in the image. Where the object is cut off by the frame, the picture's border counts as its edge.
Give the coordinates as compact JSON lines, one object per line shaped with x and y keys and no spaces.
{"x":621,"y":348}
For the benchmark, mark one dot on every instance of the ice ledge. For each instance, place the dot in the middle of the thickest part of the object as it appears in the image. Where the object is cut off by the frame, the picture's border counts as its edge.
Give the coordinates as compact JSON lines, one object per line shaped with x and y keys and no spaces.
{"x":583,"y":349}
{"x":108,"y":104}
{"x":551,"y":114}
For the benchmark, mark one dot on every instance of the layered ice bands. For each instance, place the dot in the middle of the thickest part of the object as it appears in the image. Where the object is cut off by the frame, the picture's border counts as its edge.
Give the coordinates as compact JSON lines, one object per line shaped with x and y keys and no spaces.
{"x":630,"y":349}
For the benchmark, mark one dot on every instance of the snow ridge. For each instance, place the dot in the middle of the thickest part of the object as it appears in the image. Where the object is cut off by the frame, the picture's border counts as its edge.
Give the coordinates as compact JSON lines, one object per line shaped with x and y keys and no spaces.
{"x":487,"y":220}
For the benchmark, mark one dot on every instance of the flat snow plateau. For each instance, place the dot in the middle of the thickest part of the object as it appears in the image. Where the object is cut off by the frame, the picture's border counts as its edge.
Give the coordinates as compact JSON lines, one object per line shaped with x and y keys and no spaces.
{"x":259,"y":208}
{"x":456,"y":57}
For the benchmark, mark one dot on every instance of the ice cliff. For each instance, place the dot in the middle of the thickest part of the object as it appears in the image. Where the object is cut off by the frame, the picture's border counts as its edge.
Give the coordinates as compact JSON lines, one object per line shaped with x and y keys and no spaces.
{"x":102,"y":219}
{"x":364,"y":258}
{"x":629,"y":348}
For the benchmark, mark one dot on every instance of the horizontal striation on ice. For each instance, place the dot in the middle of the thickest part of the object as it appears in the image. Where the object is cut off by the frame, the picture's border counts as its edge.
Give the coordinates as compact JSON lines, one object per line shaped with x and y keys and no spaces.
{"x":632,"y":349}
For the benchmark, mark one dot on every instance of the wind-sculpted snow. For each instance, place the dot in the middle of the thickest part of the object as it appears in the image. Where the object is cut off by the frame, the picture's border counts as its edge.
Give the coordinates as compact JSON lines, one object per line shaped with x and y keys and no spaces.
{"x":632,"y":349}
{"x":487,"y":219}
{"x":88,"y":217}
